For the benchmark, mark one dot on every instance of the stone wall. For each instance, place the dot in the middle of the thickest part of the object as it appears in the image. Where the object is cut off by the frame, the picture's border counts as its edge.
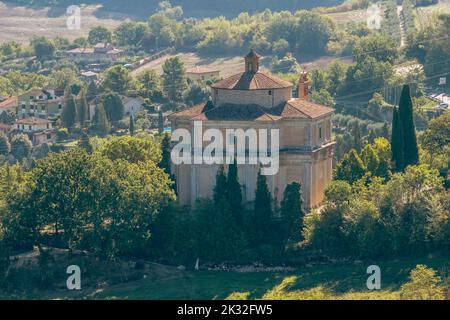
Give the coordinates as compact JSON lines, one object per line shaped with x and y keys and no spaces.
{"x":264,"y":98}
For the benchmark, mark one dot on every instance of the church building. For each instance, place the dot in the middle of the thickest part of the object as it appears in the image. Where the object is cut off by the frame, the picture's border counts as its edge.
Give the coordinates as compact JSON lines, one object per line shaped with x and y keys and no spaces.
{"x":254,"y":99}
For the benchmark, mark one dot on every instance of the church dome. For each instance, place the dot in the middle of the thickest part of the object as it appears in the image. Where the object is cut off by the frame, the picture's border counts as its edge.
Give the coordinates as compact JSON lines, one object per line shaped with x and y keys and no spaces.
{"x":252,"y":78}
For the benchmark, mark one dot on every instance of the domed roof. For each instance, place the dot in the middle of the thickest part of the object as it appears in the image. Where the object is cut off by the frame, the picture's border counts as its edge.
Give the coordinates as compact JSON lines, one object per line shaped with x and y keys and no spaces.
{"x":252,"y":78}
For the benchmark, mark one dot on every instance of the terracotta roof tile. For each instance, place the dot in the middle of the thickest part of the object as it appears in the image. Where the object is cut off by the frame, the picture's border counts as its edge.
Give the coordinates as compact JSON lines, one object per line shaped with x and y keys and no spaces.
{"x":291,"y":109}
{"x":305,"y":109}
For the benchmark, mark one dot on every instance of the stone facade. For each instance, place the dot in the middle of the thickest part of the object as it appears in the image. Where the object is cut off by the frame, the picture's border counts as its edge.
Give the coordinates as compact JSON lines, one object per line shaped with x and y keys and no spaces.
{"x":304,"y":135}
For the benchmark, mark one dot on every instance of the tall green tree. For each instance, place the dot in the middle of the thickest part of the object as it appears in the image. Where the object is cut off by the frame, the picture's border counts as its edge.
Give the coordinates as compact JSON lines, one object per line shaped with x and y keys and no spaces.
{"x":92,"y":91}
{"x":356,"y":135}
{"x":220,"y":189}
{"x":160,"y":122}
{"x":166,"y":147}
{"x":113,"y":107}
{"x":83,"y":107}
{"x":411,"y":151}
{"x":131,"y":126}
{"x":259,"y":224}
{"x":397,"y":142}
{"x":5,"y":146}
{"x":234,"y":192}
{"x":101,"y":122}
{"x":174,"y":79}
{"x":292,"y":212}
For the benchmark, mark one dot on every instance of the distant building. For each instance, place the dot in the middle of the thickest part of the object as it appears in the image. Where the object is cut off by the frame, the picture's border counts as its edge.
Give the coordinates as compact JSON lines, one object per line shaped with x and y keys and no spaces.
{"x":40,"y":103}
{"x":131,"y":106}
{"x":202,"y":74}
{"x":101,"y":51}
{"x":39,"y":130}
{"x":256,"y":100}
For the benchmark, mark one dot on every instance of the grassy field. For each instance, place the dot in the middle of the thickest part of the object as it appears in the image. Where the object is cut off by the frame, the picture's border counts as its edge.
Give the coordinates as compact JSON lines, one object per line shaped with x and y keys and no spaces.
{"x":21,"y":23}
{"x":338,"y":281}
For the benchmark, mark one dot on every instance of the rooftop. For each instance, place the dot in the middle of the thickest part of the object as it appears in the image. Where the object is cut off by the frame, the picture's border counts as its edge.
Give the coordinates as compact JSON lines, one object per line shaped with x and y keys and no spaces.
{"x":292,"y":109}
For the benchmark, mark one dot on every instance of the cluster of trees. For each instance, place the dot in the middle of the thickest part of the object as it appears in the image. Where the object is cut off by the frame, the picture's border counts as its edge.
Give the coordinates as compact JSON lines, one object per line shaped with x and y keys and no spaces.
{"x":372,"y":218}
{"x":223,"y":229}
{"x":270,"y":32}
{"x":429,"y":46}
{"x":105,"y":201}
{"x":382,"y":202}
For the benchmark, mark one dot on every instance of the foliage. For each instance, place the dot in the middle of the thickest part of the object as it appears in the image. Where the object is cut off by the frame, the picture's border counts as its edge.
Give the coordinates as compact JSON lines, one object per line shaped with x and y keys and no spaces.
{"x":174,"y":78}
{"x":131,"y":149}
{"x":21,"y":147}
{"x":99,"y":34}
{"x":113,"y":105}
{"x":410,"y":148}
{"x":69,"y":112}
{"x":424,"y":284}
{"x":351,"y":168}
{"x":117,"y":79}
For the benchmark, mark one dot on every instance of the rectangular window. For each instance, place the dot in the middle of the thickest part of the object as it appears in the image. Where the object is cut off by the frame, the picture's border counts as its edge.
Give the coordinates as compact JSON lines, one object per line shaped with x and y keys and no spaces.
{"x":320,"y":133}
{"x":270,"y":92}
{"x":49,"y":137}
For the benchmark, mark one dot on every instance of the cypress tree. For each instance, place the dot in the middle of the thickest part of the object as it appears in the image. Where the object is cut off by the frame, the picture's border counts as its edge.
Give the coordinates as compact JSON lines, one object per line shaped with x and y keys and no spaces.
{"x":131,"y":126}
{"x":220,"y":188}
{"x":411,"y":151}
{"x":92,"y":91}
{"x":385,"y":131}
{"x":291,"y":211}
{"x":234,"y":193}
{"x":82,"y":108}
{"x":112,"y":103}
{"x":260,"y":223}
{"x":165,"y":149}
{"x":69,"y":112}
{"x":5,"y":147}
{"x":160,"y":122}
{"x":101,"y":121}
{"x":356,"y":132}
{"x":397,"y":142}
